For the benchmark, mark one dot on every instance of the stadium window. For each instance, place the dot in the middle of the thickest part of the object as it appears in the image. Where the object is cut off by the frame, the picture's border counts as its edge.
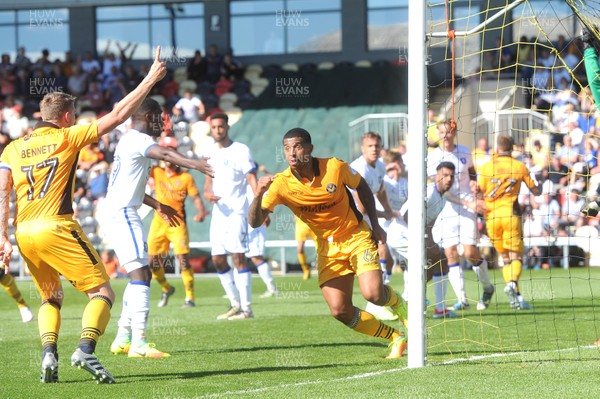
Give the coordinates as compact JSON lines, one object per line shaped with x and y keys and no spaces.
{"x":387,"y":24}
{"x":285,"y":26}
{"x":143,"y":27}
{"x":35,"y":29}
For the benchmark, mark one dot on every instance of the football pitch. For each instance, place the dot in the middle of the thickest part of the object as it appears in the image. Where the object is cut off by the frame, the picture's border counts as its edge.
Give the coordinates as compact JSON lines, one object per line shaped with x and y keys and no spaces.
{"x":294,"y":349}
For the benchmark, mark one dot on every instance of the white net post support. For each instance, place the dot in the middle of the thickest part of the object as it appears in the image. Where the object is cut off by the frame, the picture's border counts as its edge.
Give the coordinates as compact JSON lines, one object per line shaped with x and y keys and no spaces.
{"x":416,"y":158}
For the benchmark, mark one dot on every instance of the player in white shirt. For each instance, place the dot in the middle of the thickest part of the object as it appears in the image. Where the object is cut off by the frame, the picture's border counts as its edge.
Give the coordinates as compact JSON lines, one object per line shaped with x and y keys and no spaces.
{"x":126,"y":193}
{"x":233,"y":167}
{"x":191,"y":107}
{"x":457,"y":224}
{"x":256,"y":249}
{"x":372,"y":170}
{"x":437,"y":267}
{"x":396,"y":187}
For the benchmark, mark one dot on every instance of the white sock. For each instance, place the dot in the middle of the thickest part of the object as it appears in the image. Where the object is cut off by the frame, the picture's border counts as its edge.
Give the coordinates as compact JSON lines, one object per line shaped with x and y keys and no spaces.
{"x":457,"y":281}
{"x":243,"y":282}
{"x":124,"y":329}
{"x":439,"y":288}
{"x":482,"y":274}
{"x":229,"y":287}
{"x":139,"y":306}
{"x":264,"y":271}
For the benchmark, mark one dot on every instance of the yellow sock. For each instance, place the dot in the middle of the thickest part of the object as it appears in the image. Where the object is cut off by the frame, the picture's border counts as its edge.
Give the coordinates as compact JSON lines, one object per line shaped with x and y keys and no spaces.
{"x":303,"y":264}
{"x":159,"y":275}
{"x":393,"y":298}
{"x":516,"y":268}
{"x":187,"y":275}
{"x":94,"y":321}
{"x":366,"y":323}
{"x":8,"y":283}
{"x":506,"y":273}
{"x":49,"y":324}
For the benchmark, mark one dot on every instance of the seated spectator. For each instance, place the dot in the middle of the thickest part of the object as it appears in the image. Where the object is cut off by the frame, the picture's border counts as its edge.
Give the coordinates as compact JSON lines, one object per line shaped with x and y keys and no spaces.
{"x":548,"y":211}
{"x":89,"y":156}
{"x":223,"y":86}
{"x":558,"y":173}
{"x":197,"y":67}
{"x":16,"y":124}
{"x":569,"y":152}
{"x":97,"y":185}
{"x":539,"y":157}
{"x":95,"y":97}
{"x":22,"y":61}
{"x":214,"y":61}
{"x":89,"y":64}
{"x":191,"y":107}
{"x":231,"y":68}
{"x":130,"y":78}
{"x":571,"y":209}
{"x":78,"y":81}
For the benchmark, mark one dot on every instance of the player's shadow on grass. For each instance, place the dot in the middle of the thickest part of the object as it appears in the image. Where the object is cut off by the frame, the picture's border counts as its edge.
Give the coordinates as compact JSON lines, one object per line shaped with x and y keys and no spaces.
{"x":204,"y":374}
{"x":287,"y":347}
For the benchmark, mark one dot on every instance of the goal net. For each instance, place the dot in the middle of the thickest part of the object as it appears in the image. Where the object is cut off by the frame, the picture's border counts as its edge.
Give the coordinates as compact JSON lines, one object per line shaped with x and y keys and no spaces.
{"x":521,"y":73}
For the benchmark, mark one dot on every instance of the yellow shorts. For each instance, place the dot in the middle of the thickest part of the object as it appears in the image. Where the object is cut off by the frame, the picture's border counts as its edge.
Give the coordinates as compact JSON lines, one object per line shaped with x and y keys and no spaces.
{"x":161,"y":235}
{"x":303,"y":232}
{"x":57,"y":246}
{"x":505,"y":232}
{"x":355,"y":253}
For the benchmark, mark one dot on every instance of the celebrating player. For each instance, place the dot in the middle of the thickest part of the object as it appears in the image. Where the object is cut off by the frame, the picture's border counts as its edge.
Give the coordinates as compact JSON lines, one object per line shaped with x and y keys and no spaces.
{"x":41,"y":167}
{"x":316,"y":190}
{"x":133,"y":158}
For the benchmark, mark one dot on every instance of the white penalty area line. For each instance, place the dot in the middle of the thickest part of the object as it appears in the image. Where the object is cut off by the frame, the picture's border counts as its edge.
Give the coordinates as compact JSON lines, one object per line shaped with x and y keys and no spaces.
{"x":382,"y":372}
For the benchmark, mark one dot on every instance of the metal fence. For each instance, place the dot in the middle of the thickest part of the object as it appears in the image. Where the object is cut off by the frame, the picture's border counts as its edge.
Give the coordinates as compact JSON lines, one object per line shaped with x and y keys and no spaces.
{"x":393,"y":129}
{"x":522,"y":125}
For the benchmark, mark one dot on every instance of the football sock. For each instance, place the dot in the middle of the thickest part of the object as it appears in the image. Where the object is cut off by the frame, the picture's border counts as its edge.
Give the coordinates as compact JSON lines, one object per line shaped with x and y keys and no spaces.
{"x":440,"y":284}
{"x":512,"y":271}
{"x":243,"y":282}
{"x":139,"y":307}
{"x":231,"y":290}
{"x":124,"y":329}
{"x":49,"y":325}
{"x":457,"y":281}
{"x":187,"y":275}
{"x":365,"y":323}
{"x":481,"y":270}
{"x":264,"y":271}
{"x":94,"y":321}
{"x":8,"y":283}
{"x":393,"y":300}
{"x":158,"y":274}
{"x":303,"y":264}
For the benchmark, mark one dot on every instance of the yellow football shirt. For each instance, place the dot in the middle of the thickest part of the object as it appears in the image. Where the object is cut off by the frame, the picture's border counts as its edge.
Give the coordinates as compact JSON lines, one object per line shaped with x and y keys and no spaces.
{"x":173,"y":190}
{"x":43,"y":165}
{"x":500,"y":180}
{"x":324,"y":203}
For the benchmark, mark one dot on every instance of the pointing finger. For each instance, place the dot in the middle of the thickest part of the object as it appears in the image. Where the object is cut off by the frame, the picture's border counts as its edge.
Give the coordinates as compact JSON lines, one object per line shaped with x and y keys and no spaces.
{"x":157,"y":58}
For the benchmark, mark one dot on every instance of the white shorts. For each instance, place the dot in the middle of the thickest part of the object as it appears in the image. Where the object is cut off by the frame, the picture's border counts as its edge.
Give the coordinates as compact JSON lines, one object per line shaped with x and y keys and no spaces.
{"x":455,"y":225}
{"x":128,"y":239}
{"x":397,"y":238}
{"x":256,"y":241}
{"x":228,"y":234}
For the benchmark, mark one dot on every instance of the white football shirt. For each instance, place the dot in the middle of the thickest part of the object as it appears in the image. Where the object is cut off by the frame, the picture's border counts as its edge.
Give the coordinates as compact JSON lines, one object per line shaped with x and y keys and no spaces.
{"x":373,"y":175}
{"x":130,"y":171}
{"x":231,"y":165}
{"x":462,"y":159}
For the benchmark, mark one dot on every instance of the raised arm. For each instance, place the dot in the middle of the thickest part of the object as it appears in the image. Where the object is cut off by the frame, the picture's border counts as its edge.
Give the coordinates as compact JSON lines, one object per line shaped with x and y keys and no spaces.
{"x":169,"y":154}
{"x":128,"y":105}
{"x":257,"y":214}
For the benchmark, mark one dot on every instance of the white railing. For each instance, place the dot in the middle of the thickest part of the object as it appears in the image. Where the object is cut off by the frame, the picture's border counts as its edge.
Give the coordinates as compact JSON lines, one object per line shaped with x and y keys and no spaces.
{"x":393,"y":129}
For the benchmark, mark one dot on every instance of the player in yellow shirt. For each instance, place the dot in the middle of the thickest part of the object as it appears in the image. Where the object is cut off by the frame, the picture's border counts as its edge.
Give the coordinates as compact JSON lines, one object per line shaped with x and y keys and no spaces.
{"x":41,"y":167}
{"x":499,"y":182}
{"x":317,"y":191}
{"x":172,"y":186}
{"x":8,"y":283}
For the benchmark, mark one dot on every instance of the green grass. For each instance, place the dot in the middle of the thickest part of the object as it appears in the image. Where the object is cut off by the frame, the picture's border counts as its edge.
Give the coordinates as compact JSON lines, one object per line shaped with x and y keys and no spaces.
{"x":294,"y":349}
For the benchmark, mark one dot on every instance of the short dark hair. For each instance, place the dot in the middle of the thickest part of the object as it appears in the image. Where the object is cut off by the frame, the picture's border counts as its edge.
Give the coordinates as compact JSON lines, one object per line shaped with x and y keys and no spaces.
{"x":298,"y":132}
{"x":220,"y":115}
{"x":447,"y":165}
{"x":147,"y":106}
